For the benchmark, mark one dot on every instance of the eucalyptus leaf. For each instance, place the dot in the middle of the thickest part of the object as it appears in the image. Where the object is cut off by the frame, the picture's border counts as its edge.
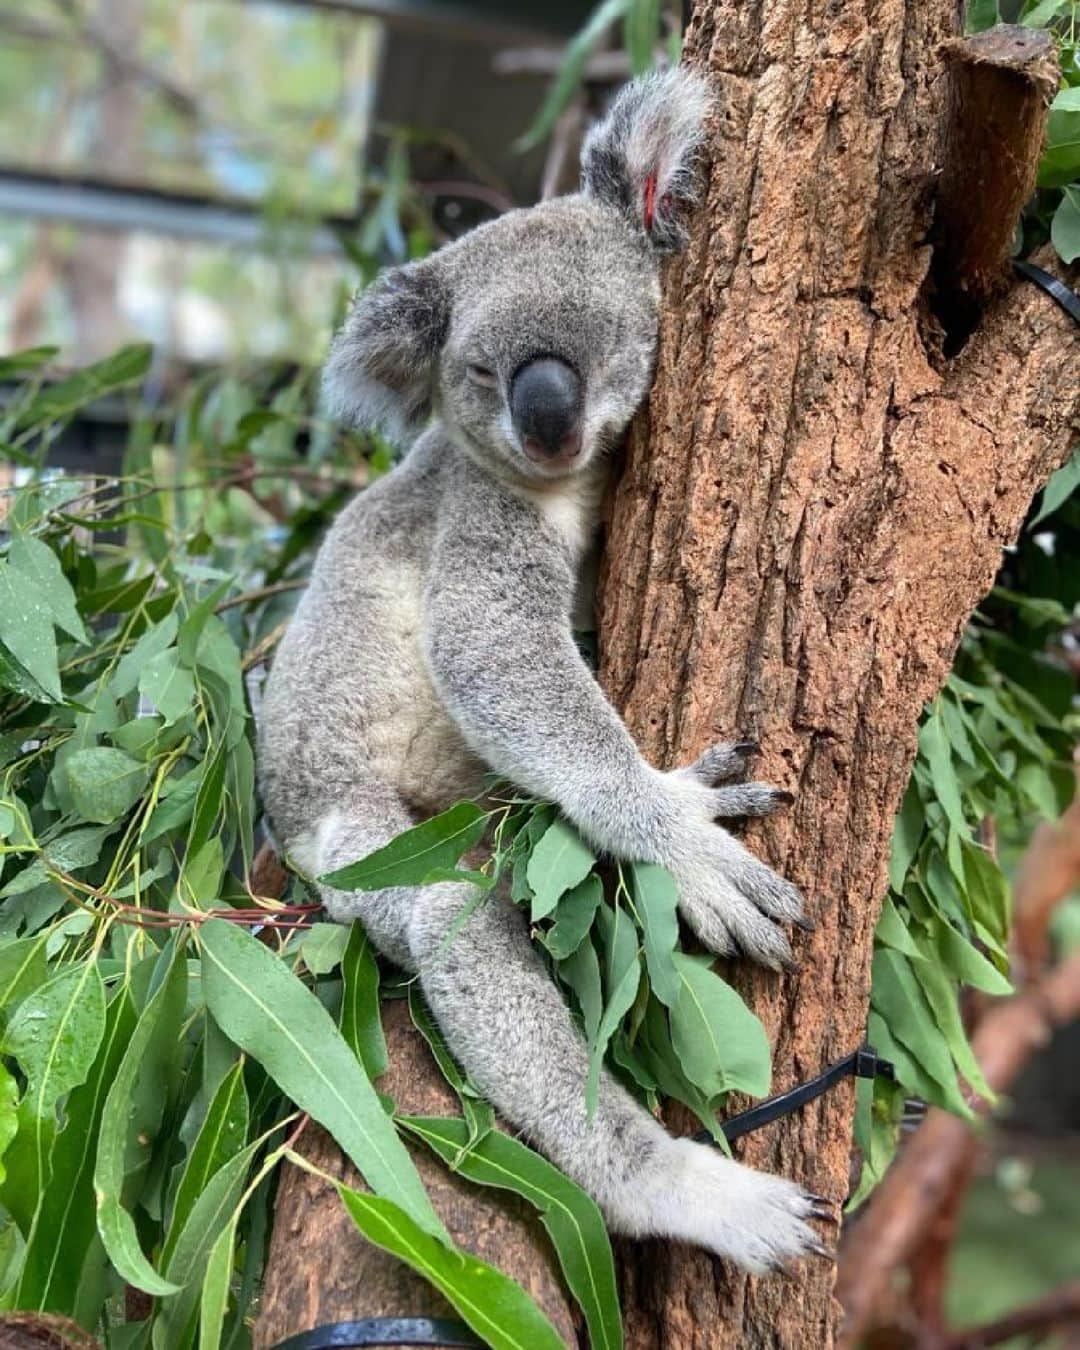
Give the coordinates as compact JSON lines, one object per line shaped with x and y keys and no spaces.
{"x":269,"y":1013}
{"x":569,"y":1215}
{"x":409,"y":857}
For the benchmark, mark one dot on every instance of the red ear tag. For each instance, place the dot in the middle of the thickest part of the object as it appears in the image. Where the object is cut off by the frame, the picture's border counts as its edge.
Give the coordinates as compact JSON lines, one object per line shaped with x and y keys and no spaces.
{"x":650,"y":200}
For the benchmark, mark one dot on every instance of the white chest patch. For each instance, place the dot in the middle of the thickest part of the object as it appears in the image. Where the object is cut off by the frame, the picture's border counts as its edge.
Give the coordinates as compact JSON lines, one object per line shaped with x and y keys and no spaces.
{"x":572,"y":507}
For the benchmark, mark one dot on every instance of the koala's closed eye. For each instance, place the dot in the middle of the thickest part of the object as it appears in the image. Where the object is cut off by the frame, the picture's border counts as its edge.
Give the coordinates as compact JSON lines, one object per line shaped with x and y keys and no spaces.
{"x":481,"y":375}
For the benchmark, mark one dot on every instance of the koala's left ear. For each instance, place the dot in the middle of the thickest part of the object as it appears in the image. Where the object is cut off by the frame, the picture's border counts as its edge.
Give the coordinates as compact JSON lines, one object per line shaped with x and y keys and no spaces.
{"x":642,"y":158}
{"x":381,"y":368}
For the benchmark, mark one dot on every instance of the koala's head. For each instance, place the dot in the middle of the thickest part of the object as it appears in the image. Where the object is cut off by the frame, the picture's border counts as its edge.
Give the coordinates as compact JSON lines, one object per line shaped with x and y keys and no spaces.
{"x":532,"y":338}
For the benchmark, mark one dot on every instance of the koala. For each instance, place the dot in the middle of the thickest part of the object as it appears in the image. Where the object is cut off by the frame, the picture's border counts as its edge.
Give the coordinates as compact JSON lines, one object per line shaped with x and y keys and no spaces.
{"x":434,"y":645}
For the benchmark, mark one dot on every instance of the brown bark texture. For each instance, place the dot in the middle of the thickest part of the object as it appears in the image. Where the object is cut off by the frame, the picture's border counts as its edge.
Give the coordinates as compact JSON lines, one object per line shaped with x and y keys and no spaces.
{"x":813,"y":504}
{"x":1002,"y":82}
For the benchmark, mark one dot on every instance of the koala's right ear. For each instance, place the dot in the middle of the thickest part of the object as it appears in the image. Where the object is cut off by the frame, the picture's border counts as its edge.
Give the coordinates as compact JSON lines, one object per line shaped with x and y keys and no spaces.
{"x":642,"y":158}
{"x":381,"y":368}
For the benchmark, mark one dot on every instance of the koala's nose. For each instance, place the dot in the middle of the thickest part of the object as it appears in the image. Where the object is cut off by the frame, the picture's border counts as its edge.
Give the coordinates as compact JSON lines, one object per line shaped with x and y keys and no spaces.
{"x":545,"y":404}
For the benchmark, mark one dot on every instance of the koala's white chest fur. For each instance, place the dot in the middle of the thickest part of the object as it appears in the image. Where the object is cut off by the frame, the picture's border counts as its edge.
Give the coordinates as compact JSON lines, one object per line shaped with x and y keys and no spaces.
{"x":572,"y":506}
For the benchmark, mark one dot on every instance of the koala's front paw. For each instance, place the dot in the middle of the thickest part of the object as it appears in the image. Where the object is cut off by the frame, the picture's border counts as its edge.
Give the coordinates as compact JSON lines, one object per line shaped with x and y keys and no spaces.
{"x":726,"y":764}
{"x":758,"y":1221}
{"x":732,"y":900}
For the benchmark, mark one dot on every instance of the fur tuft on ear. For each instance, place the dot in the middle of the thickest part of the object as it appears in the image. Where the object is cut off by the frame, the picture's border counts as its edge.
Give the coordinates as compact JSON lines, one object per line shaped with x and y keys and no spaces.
{"x":643,"y":157}
{"x":381,"y":367}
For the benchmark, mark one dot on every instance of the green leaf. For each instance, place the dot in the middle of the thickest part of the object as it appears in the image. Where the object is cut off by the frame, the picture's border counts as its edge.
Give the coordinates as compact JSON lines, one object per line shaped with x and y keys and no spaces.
{"x":620,"y":1000}
{"x":934,"y":747}
{"x":40,"y":567}
{"x":168,"y":685}
{"x":117,"y":1227}
{"x":656,"y":900}
{"x":1059,"y":488}
{"x":323,"y":947}
{"x":60,"y":400}
{"x":581,"y":972}
{"x":966,"y":962}
{"x":104,"y":783}
{"x":9,"y":1121}
{"x":190,"y":1252}
{"x":64,"y":1230}
{"x":222,"y":1135}
{"x":944,"y":1000}
{"x":721,"y":1045}
{"x":270,"y":1014}
{"x":54,"y":1035}
{"x":214,"y":1300}
{"x":360,"y":1021}
{"x":571,"y":1217}
{"x":407,"y":859}
{"x":1065,"y":226}
{"x":892,"y":931}
{"x":980,"y":15}
{"x":22,"y":968}
{"x":496,"y":1308}
{"x":1039,"y":14}
{"x":574,"y":915}
{"x":641,"y":29}
{"x":898,"y":998}
{"x":132,"y":664}
{"x":26,"y":629}
{"x":559,"y":861}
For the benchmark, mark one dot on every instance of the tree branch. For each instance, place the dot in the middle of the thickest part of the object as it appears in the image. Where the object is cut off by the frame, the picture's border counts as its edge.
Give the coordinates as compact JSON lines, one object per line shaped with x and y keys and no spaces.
{"x":1002,"y":84}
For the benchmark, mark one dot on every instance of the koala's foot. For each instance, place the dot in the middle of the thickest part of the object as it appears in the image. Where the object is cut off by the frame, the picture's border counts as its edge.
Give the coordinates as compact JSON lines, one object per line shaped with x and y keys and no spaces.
{"x":761,"y":1222}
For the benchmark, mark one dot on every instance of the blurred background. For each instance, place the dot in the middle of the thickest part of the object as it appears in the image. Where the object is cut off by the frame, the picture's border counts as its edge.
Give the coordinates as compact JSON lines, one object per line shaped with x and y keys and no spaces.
{"x":194,"y":174}
{"x":214,"y":177}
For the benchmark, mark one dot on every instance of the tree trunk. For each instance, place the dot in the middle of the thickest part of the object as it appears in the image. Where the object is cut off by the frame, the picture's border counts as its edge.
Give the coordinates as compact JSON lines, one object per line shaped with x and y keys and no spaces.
{"x":813,"y":504}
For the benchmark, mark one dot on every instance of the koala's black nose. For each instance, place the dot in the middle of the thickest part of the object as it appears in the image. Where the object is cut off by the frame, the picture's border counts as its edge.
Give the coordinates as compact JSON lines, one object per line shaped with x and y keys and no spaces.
{"x":545,"y":404}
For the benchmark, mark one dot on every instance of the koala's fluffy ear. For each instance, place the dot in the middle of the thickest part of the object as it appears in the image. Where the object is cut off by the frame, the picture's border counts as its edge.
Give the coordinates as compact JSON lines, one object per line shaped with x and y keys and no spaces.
{"x":381,"y":368}
{"x":642,"y":158}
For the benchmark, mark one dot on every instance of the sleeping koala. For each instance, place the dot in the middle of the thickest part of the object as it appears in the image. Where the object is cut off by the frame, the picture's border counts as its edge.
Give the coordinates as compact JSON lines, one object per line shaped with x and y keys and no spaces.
{"x":434,"y":645}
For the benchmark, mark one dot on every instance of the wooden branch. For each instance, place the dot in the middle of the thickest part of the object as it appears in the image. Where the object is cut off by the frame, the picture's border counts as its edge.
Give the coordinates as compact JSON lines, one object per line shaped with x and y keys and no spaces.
{"x":919,"y":1182}
{"x":1002,"y":83}
{"x":1057,"y":1310}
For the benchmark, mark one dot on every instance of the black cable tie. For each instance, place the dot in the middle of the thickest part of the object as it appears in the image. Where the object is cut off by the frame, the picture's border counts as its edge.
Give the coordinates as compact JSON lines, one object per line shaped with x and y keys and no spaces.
{"x":1057,"y":290}
{"x":384,"y":1331}
{"x":862,"y":1063}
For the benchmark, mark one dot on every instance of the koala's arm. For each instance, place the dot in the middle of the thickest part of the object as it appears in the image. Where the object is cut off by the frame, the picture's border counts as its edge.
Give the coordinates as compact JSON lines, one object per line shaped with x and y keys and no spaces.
{"x":502,"y":655}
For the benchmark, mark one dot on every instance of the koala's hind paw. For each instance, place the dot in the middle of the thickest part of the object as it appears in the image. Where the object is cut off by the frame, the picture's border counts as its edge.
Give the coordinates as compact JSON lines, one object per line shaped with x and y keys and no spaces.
{"x":759,"y":1221}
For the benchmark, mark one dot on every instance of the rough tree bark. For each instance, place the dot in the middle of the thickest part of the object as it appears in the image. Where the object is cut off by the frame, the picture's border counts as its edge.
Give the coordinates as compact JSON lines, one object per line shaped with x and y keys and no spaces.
{"x":812,"y":506}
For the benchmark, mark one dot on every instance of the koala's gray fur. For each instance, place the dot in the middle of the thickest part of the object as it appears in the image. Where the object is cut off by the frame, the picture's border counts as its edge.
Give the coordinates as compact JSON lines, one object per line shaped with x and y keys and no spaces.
{"x":434,"y":644}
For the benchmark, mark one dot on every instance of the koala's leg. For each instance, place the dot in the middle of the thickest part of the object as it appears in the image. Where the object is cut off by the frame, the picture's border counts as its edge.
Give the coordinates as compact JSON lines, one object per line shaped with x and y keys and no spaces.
{"x":507,"y":1024}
